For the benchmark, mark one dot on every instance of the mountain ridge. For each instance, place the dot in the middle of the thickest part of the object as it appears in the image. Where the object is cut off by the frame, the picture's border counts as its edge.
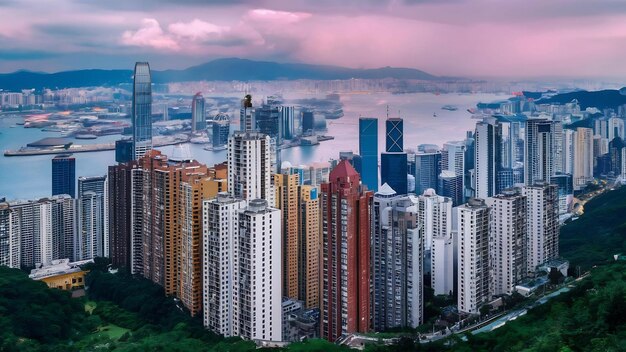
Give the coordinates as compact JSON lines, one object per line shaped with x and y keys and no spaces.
{"x":228,"y":69}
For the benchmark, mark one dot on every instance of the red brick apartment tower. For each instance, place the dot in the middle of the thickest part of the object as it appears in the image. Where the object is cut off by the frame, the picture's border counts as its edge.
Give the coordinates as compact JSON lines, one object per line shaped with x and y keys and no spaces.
{"x":345,"y":207}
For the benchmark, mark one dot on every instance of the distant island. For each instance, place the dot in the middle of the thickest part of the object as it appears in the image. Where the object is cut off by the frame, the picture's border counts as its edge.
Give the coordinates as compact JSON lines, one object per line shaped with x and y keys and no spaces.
{"x":229,"y":69}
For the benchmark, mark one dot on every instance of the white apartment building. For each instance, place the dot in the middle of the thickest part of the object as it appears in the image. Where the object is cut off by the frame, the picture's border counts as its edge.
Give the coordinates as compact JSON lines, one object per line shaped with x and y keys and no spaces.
{"x":473,"y":255}
{"x":507,"y":243}
{"x":220,"y":217}
{"x":542,"y":224}
{"x":435,"y":215}
{"x":257,"y":273}
{"x":250,"y":166}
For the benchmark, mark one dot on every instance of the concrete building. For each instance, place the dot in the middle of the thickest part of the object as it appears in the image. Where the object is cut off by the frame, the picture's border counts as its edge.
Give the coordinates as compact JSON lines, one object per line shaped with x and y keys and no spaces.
{"x":488,"y":157}
{"x":435,"y":215}
{"x":221,"y":227}
{"x":247,"y":121}
{"x":45,"y":230}
{"x":9,"y":238}
{"x":286,"y":190}
{"x":427,"y":170}
{"x":508,"y":240}
{"x":539,"y":150}
{"x":543,"y":224}
{"x":452,"y":177}
{"x":345,"y":293}
{"x":583,"y":157}
{"x":397,"y":261}
{"x":250,"y":166}
{"x":93,"y":216}
{"x":473,"y":255}
{"x":257,"y":273}
{"x":309,"y":246}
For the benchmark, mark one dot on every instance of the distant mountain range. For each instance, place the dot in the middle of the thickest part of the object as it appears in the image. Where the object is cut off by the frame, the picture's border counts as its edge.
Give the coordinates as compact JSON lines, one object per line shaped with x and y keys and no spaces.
{"x":232,"y":69}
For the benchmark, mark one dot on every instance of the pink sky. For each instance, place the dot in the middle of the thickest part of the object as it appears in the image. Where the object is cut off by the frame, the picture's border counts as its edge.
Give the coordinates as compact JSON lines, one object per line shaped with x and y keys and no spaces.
{"x":482,"y":38}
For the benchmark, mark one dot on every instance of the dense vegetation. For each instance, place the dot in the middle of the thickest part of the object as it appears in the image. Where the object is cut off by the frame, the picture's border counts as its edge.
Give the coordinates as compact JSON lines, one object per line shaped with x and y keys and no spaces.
{"x":599,"y":233}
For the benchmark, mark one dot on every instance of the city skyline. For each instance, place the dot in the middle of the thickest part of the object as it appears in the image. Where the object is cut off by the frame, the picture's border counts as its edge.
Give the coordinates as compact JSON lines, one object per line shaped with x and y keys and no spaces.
{"x":532,"y":39}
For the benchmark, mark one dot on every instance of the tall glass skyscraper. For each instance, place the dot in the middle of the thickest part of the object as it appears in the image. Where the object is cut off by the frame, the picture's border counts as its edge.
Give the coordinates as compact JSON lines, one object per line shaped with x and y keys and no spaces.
{"x":368,"y":149}
{"x":64,"y":175}
{"x":198,"y":114}
{"x":393,"y":163}
{"x":142,"y":110}
{"x":394,"y":135}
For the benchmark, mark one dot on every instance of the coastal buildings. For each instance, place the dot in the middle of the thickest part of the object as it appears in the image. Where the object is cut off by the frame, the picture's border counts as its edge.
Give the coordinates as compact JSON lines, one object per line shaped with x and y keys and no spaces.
{"x":452,"y":177}
{"x":345,"y":294}
{"x":488,"y":158}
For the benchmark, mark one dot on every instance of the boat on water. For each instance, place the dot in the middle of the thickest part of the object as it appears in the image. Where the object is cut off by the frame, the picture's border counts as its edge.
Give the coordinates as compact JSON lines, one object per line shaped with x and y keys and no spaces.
{"x":449,"y":108}
{"x":434,"y":114}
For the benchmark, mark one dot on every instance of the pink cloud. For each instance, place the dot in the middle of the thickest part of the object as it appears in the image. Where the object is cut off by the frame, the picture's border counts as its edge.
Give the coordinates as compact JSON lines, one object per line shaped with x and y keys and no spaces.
{"x":149,"y":35}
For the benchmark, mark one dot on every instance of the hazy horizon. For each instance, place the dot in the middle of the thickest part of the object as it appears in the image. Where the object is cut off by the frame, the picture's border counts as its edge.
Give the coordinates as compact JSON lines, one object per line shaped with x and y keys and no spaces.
{"x":465,"y":38}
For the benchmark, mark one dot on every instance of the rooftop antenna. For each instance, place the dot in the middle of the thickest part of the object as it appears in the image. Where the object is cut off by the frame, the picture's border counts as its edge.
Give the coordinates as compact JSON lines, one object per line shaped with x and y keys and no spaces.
{"x":387,"y":111}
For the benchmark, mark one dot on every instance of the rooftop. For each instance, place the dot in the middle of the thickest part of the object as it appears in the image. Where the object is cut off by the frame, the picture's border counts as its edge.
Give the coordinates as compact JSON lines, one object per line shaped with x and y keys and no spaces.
{"x":56,"y":267}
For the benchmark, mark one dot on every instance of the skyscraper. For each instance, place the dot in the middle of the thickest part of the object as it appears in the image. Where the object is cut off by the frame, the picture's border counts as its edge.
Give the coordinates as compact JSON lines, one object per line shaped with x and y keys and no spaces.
{"x":221,"y":216}
{"x":250,"y":166}
{"x":435,"y":216}
{"x":198,"y":113}
{"x":488,"y":158}
{"x":97,"y":201}
{"x":368,"y":149}
{"x":142,"y":110}
{"x":220,"y":130}
{"x":309,"y":246}
{"x":64,"y":175}
{"x":257,"y":307}
{"x":120,"y":214}
{"x":473,"y":255}
{"x":427,"y":170}
{"x":393,"y":163}
{"x":9,"y":238}
{"x":451,"y":179}
{"x":345,"y":296}
{"x":308,"y":122}
{"x":45,"y":229}
{"x":583,"y":157}
{"x":507,"y":243}
{"x":394,"y":135}
{"x":247,"y":121}
{"x":538,"y":152}
{"x":543,"y":224}
{"x":287,"y":121}
{"x":286,"y":188}
{"x":397,"y":261}
{"x":124,"y":150}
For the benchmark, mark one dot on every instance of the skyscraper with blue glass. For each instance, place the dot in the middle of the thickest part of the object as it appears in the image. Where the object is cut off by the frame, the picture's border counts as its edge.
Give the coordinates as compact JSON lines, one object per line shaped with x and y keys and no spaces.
{"x":368,"y":149}
{"x":393,"y":163}
{"x":64,"y":175}
{"x":142,"y":110}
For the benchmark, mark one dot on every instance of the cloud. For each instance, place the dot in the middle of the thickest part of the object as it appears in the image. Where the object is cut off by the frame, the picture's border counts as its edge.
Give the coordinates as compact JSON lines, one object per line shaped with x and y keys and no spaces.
{"x":278,"y":17}
{"x":150,"y":35}
{"x":20,"y":54}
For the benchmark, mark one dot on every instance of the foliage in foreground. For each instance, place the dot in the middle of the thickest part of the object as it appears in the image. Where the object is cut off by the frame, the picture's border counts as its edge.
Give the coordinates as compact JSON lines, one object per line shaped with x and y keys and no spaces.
{"x":599,"y":233}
